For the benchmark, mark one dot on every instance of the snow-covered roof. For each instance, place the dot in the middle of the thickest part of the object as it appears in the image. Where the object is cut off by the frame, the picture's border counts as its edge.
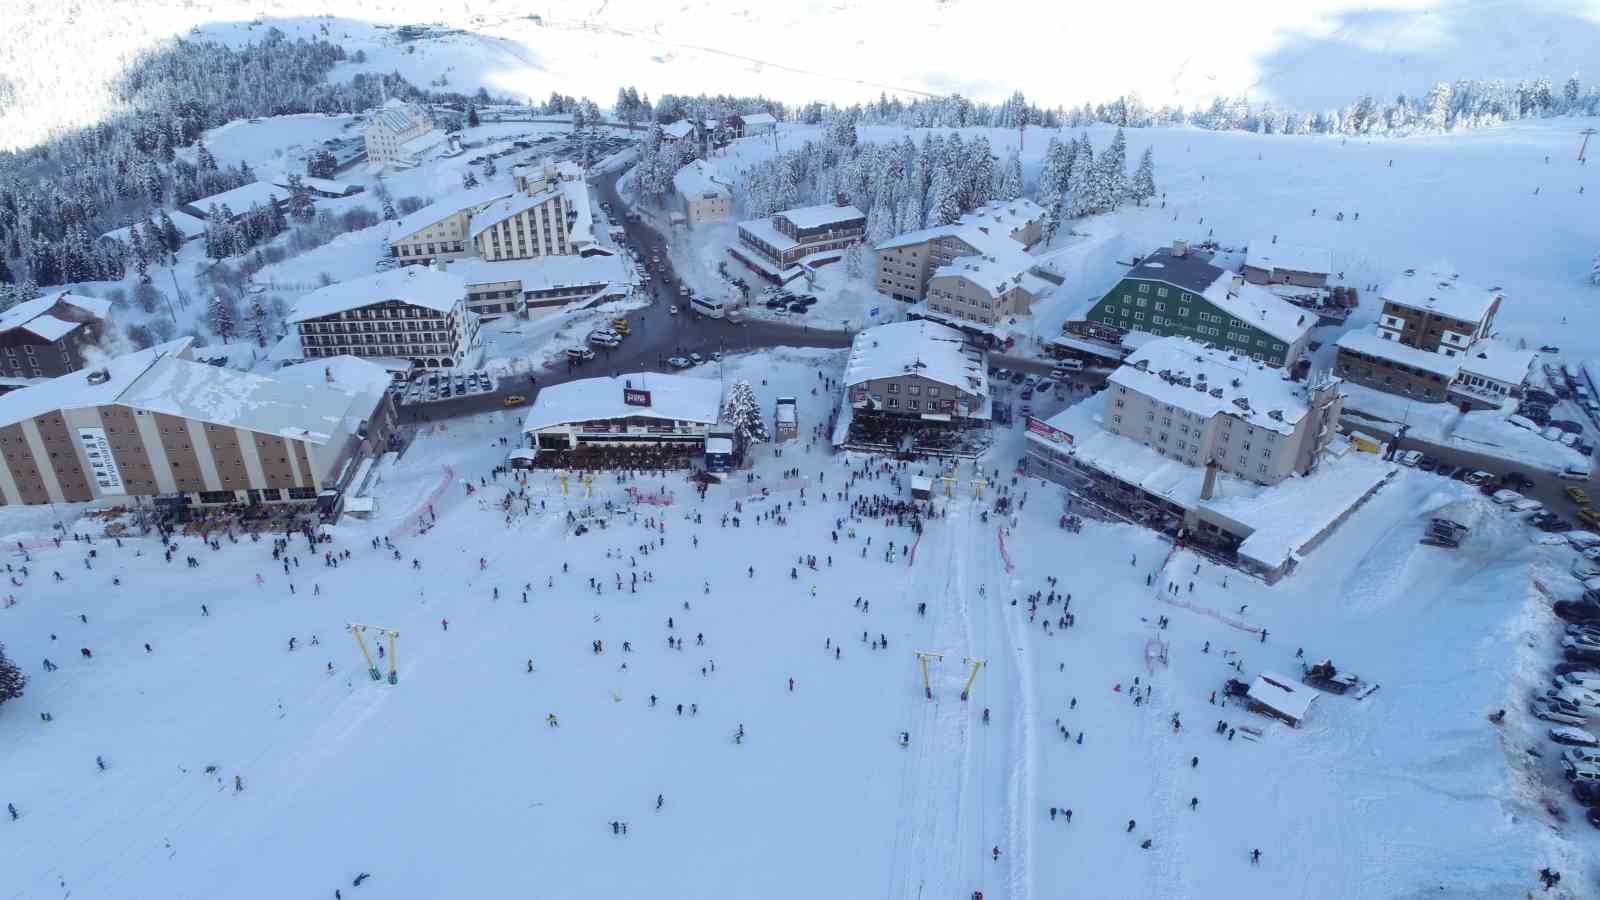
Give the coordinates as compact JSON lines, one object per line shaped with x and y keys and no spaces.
{"x":449,"y":205}
{"x":433,"y":137}
{"x":74,"y":390}
{"x":1365,"y":342}
{"x":997,"y":271}
{"x":821,"y":215}
{"x":1498,"y":361}
{"x":1215,"y":385}
{"x":220,"y":396}
{"x":580,"y":230}
{"x":719,"y":445}
{"x":1259,"y":308}
{"x":1266,"y":255}
{"x":239,"y":199}
{"x":1284,"y":694}
{"x":500,"y":210}
{"x":759,"y":119}
{"x":762,"y":230}
{"x":678,"y":397}
{"x":919,"y":347}
{"x":188,"y":226}
{"x":1192,"y":271}
{"x":676,"y":130}
{"x":541,"y":272}
{"x":365,"y":380}
{"x":698,"y":179}
{"x":920,"y":236}
{"x":32,"y":315}
{"x":397,"y":115}
{"x":1440,"y":294}
{"x":324,"y":185}
{"x":1005,"y":214}
{"x":417,"y":285}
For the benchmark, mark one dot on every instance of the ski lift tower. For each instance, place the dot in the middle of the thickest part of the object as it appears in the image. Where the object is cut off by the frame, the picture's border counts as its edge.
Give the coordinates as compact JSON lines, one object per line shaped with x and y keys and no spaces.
{"x":924,"y":656}
{"x":357,"y":630}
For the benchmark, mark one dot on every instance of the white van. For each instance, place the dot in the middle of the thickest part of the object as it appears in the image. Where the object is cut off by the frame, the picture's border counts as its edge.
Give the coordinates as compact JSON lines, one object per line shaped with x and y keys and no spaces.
{"x":1582,"y":756}
{"x":1069,"y":365}
{"x":1579,"y":774}
{"x":1524,"y":422}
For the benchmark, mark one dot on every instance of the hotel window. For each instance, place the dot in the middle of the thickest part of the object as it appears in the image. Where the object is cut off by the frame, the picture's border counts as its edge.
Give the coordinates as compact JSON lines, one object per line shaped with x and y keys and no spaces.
{"x":1161,"y":292}
{"x":1144,"y":288}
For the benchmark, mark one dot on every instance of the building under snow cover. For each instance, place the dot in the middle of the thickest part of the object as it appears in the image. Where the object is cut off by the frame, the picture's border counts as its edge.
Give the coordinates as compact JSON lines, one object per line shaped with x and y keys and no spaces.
{"x":158,"y":422}
{"x":919,"y":370}
{"x":1176,"y":291}
{"x":1270,"y":263}
{"x":779,"y":244}
{"x":1020,"y":219}
{"x":1432,"y":343}
{"x":702,"y":197}
{"x":644,"y":410}
{"x":399,"y":133}
{"x":537,"y":287}
{"x":439,"y":230}
{"x":1214,"y":448}
{"x":411,"y":313}
{"x":1199,"y":405}
{"x":48,"y":336}
{"x":982,"y":290}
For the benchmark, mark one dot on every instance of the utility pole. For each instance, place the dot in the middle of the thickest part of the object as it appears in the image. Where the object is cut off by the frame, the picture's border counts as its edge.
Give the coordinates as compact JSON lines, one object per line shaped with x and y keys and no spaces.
{"x":1587,"y":133}
{"x":976,"y":662}
{"x":924,"y":656}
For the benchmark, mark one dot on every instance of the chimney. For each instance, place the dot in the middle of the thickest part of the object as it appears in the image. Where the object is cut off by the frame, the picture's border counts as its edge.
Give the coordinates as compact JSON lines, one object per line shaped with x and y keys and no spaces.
{"x":1210,"y":485}
{"x":100,"y":376}
{"x":1238,"y":284}
{"x":1180,"y":248}
{"x":327,"y":374}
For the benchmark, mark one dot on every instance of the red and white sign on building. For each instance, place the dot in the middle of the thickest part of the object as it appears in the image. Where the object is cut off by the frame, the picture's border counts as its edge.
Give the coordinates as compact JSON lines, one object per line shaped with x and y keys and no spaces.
{"x":635,"y":397}
{"x":1045,"y":429}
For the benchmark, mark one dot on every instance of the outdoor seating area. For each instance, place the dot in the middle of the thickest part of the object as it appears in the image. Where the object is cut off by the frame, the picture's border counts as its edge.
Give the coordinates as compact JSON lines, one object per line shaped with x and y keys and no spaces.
{"x":653,"y":458}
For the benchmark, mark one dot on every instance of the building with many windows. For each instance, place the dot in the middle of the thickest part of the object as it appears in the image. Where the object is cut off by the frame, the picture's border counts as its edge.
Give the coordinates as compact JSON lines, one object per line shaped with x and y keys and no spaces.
{"x":440,"y":229}
{"x":1198,"y":405}
{"x":533,"y":288}
{"x":701,"y":196}
{"x":521,"y":226}
{"x":1178,"y":292}
{"x":47,"y":336}
{"x":917,"y":369}
{"x":982,"y":290}
{"x":399,"y":133}
{"x":412,"y":313}
{"x":1432,"y":342}
{"x":1021,"y":220}
{"x":777,"y":245}
{"x":644,"y":410}
{"x":160,"y":423}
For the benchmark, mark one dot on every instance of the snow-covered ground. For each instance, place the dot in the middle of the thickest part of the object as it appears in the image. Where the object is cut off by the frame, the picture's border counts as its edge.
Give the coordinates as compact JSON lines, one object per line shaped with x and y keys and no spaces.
{"x":452,"y":783}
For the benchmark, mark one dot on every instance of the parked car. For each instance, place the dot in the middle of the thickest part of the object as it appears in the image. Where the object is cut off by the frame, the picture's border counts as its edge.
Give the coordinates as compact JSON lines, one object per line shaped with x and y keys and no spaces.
{"x":1045,"y":386}
{"x":1589,"y":517}
{"x":1017,"y":377}
{"x":696,"y":358}
{"x":1577,"y":495}
{"x":1522,"y":421}
{"x":1505,"y":498}
{"x":1567,"y":425}
{"x":1583,"y":569}
{"x":679,"y":362}
{"x":1478,"y":477}
{"x":1551,"y":713}
{"x":1428,"y":464}
{"x":1551,"y":433}
{"x":1535,"y":395}
{"x":1581,"y":772}
{"x":672,"y":310}
{"x":1574,"y":473}
{"x":1527,"y":505}
{"x":1409,"y":458}
{"x":1573,"y":737}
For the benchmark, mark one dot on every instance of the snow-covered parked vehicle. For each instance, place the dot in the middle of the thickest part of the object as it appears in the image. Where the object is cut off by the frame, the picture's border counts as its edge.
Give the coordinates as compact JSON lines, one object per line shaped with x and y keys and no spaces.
{"x":1550,"y":712}
{"x":1324,"y":677}
{"x":1573,"y":737}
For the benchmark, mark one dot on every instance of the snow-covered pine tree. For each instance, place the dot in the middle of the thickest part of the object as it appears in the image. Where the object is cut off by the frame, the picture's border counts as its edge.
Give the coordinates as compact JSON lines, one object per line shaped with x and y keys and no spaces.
{"x":1115,"y":165}
{"x":171,"y":240}
{"x":468,"y":180}
{"x":854,"y":260}
{"x":472,"y":115}
{"x":946,"y":193}
{"x":220,"y":314}
{"x":1594,"y":273}
{"x":489,"y":168}
{"x":1144,"y":180}
{"x":1010,"y":186}
{"x":742,"y":412}
{"x":1079,"y":200}
{"x":216,"y":228}
{"x":389,"y":212}
{"x":258,"y":323}
{"x":204,"y":161}
{"x":979,"y":172}
{"x":1052,"y":176}
{"x":141,"y":256}
{"x":12,"y":679}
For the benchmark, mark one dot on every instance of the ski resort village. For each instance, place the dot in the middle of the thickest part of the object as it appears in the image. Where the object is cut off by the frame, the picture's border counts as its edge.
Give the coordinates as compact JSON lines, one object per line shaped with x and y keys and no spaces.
{"x":512,"y":455}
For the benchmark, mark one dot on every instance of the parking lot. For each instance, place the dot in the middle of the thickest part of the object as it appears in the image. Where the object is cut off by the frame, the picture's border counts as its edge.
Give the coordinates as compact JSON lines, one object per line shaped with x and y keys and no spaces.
{"x":434,"y":387}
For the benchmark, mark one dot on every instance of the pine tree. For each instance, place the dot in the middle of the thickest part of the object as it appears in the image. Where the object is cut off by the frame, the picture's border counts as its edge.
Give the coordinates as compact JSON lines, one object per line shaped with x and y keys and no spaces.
{"x":1010,"y":187}
{"x":1079,"y":201}
{"x":204,"y":161}
{"x":946,"y":197}
{"x":472,"y":115}
{"x":742,"y":412}
{"x":1144,"y":180}
{"x":389,"y":212}
{"x":220,"y":314}
{"x":258,"y":323}
{"x":170,"y":238}
{"x":489,"y":168}
{"x":854,"y":261}
{"x":468,"y":180}
{"x":1114,"y":167}
{"x":12,"y":679}
{"x":979,"y":172}
{"x":141,"y":256}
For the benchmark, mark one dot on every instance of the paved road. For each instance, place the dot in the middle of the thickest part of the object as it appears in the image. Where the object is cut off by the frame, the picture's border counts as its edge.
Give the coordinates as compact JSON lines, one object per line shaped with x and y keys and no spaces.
{"x":656,"y":334}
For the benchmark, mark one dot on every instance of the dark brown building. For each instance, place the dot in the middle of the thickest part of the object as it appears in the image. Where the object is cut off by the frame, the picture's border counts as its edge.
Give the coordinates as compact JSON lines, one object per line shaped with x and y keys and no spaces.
{"x":47,"y":336}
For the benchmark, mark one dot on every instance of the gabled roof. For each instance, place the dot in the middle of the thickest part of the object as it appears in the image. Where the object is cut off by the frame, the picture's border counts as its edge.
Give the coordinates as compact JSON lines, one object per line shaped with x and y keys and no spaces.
{"x":1369,"y":344}
{"x":449,"y":205}
{"x":74,"y":389}
{"x":1193,"y":377}
{"x":697,"y":179}
{"x":1259,"y":308}
{"x":1191,"y":272}
{"x":500,"y":210}
{"x":1007,"y":214}
{"x":1263,"y":254}
{"x":677,"y":130}
{"x":239,"y":199}
{"x":33,"y":315}
{"x":918,"y":347}
{"x":1498,"y":360}
{"x":417,"y":285}
{"x":679,"y":397}
{"x":1284,"y":694}
{"x":995,"y":271}
{"x":1440,"y":294}
{"x":759,"y":119}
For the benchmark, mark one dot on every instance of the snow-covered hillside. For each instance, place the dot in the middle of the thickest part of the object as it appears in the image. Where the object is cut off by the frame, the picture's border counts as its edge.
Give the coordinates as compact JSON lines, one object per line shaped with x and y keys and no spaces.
{"x":453,"y":782}
{"x":1311,"y":55}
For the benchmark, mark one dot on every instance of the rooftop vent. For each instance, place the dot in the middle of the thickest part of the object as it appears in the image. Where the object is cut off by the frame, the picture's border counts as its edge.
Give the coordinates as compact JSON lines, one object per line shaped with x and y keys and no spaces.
{"x":1242,"y":402}
{"x":1217,"y":393}
{"x":1180,"y":248}
{"x":99,"y":376}
{"x":1275,"y":414}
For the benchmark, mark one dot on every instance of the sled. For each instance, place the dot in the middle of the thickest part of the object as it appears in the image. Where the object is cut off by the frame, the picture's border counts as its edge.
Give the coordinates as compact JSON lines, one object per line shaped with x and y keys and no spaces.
{"x":1364,"y":694}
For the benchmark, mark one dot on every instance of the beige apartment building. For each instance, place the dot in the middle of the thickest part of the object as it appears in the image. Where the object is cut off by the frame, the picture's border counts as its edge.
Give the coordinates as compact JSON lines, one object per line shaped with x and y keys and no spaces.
{"x":905,"y":263}
{"x":1195,"y":405}
{"x":981,"y":289}
{"x":700,"y":195}
{"x":157,"y":422}
{"x":412,"y":313}
{"x":521,"y":226}
{"x":440,"y":229}
{"x":396,"y":131}
{"x":1021,"y":220}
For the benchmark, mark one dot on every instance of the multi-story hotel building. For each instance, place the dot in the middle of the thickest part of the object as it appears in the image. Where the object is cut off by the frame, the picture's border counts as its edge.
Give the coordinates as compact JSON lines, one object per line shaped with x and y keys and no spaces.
{"x":412,"y":313}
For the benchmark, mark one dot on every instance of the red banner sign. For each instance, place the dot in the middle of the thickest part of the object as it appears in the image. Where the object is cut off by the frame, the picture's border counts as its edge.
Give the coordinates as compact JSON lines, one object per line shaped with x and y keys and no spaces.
{"x":635,"y":397}
{"x":1041,"y":427}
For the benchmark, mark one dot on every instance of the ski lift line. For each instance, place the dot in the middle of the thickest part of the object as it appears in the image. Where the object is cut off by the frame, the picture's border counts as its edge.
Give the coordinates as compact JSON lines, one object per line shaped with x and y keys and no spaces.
{"x":648,"y":38}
